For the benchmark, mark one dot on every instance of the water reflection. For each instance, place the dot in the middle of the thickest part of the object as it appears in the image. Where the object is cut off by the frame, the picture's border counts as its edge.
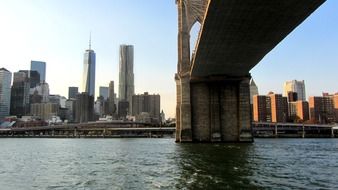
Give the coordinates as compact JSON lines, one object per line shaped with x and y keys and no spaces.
{"x":214,"y":166}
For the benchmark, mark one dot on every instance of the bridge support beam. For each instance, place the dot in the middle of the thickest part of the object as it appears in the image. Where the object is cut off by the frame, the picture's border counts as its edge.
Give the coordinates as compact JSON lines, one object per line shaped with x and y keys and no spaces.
{"x":219,"y":111}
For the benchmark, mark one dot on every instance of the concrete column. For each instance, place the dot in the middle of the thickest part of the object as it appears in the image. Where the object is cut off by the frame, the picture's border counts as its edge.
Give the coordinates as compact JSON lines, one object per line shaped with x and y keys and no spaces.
{"x":185,"y":110}
{"x":200,"y":108}
{"x":215,"y":116}
{"x":229,"y":112}
{"x":178,"y":109}
{"x":244,"y":111}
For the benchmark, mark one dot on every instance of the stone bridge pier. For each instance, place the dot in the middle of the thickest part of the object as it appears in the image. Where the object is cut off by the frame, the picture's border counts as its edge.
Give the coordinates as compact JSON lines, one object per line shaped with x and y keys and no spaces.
{"x":220,"y":109}
{"x":214,"y":110}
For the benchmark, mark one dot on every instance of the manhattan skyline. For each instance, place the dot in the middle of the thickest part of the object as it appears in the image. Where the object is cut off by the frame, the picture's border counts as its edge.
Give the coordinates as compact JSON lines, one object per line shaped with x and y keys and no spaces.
{"x":56,"y":32}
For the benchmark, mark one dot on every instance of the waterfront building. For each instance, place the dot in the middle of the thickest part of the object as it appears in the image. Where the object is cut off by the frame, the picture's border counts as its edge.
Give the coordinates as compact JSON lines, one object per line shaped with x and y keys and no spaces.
{"x":253,"y":90}
{"x":5,"y":92}
{"x":72,"y":92}
{"x":104,"y":91}
{"x":324,"y":109}
{"x":146,"y":103}
{"x":126,"y":74}
{"x":40,"y":67}
{"x":84,"y":109}
{"x":123,"y":109}
{"x":299,"y":111}
{"x":321,"y":109}
{"x":44,"y":111}
{"x":279,"y":109}
{"x":335,"y":106}
{"x":20,"y":94}
{"x":295,"y":86}
{"x":111,"y":99}
{"x":259,"y":108}
{"x":270,"y":108}
{"x":88,"y":77}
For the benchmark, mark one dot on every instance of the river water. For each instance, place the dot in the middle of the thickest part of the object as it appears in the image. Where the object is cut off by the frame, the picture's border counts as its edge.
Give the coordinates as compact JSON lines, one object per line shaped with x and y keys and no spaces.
{"x":162,"y":164}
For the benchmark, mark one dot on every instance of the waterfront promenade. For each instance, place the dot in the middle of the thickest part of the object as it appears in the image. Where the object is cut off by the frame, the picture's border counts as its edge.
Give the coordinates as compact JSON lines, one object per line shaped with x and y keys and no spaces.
{"x":91,"y":130}
{"x":123,"y":129}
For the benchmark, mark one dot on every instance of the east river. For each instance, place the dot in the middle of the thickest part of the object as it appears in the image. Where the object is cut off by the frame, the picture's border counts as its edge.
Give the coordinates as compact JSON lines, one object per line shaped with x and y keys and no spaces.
{"x":162,"y":164}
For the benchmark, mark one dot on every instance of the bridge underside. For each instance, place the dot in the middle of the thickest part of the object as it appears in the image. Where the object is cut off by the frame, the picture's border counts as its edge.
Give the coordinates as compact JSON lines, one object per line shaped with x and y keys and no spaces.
{"x":213,"y":96}
{"x":237,"y":34}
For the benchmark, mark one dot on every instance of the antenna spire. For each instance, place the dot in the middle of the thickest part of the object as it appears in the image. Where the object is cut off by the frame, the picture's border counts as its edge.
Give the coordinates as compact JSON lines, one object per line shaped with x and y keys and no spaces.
{"x":90,"y":40}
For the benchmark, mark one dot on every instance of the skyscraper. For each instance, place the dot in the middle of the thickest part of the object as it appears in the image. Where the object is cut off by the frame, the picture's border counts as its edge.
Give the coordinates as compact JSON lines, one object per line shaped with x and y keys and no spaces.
{"x":126,"y":74}
{"x":5,"y":92}
{"x":111,"y":99}
{"x":103,"y":91}
{"x":88,"y":77}
{"x":72,"y":92}
{"x":20,"y":94}
{"x":253,"y":90}
{"x":295,"y":86}
{"x":40,"y":67}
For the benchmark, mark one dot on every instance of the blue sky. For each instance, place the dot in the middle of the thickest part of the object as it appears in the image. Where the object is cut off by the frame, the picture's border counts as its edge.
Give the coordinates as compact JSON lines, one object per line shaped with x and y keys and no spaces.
{"x":57,"y":31}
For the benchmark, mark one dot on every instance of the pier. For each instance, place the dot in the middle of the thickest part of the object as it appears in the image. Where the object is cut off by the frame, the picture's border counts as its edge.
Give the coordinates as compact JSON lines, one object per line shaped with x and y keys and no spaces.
{"x":293,"y":130}
{"x":91,"y":130}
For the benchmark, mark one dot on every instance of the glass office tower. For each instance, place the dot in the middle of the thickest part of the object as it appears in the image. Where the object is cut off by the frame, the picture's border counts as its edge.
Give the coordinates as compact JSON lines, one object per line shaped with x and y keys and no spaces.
{"x":5,"y":92}
{"x":40,"y":67}
{"x":88,"y":77}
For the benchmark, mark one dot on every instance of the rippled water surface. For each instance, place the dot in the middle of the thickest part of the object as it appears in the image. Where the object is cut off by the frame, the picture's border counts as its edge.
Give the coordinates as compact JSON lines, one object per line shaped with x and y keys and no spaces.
{"x":163,"y":164}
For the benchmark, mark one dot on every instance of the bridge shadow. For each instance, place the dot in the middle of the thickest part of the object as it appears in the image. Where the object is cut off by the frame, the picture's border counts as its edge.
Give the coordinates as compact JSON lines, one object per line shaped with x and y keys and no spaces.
{"x":215,"y":166}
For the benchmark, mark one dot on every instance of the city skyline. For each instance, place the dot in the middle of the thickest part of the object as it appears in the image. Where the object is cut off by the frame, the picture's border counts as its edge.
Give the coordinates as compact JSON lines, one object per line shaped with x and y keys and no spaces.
{"x":307,"y":54}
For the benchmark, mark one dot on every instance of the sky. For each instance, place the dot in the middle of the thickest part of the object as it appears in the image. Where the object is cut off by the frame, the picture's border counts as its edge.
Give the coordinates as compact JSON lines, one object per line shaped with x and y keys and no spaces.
{"x":57,"y":32}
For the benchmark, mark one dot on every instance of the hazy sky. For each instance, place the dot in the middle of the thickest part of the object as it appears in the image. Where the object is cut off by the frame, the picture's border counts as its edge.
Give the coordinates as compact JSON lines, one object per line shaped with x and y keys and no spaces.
{"x":57,"y":32}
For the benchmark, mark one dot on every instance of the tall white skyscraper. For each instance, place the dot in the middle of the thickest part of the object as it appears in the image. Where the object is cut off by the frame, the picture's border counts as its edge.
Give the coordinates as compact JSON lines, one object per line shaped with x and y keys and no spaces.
{"x":295,"y":86}
{"x":5,"y":92}
{"x":126,"y":74}
{"x":88,"y":77}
